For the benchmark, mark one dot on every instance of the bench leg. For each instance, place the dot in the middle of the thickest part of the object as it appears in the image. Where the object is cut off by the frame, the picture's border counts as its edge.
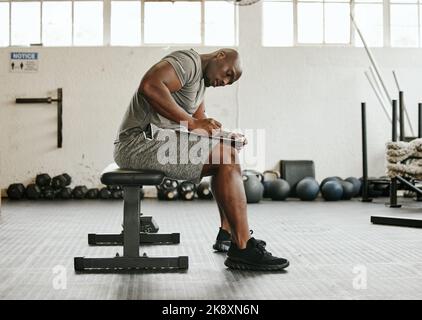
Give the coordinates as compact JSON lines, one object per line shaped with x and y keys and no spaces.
{"x":131,"y":238}
{"x":129,"y":263}
{"x":148,"y":224}
{"x":144,"y":238}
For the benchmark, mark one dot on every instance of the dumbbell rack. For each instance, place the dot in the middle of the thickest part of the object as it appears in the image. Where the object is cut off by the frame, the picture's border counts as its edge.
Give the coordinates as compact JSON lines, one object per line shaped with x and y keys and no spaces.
{"x":49,"y":100}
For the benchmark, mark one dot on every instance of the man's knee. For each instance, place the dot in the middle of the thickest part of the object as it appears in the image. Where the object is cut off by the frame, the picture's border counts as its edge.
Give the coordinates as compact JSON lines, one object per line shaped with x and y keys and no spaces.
{"x":224,"y":154}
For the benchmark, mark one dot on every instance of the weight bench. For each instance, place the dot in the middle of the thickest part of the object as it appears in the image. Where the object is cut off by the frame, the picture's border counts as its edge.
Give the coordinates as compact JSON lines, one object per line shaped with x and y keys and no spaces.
{"x":132,"y":182}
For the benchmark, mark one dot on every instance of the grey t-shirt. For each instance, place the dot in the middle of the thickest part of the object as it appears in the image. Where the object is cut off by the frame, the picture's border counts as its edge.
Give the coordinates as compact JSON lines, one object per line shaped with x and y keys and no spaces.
{"x":139,"y":114}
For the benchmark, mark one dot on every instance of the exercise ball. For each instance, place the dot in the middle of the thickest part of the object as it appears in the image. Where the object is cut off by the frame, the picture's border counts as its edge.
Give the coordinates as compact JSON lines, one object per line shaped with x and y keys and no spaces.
{"x":357,"y":184}
{"x":329,"y":179}
{"x":279,"y":189}
{"x":348,"y":190}
{"x":254,"y":189}
{"x":332,"y":191}
{"x":307,"y":189}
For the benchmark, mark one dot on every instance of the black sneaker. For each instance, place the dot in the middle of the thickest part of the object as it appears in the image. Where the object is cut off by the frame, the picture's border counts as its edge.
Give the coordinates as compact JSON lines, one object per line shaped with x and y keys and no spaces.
{"x":253,"y":257}
{"x":223,"y":241}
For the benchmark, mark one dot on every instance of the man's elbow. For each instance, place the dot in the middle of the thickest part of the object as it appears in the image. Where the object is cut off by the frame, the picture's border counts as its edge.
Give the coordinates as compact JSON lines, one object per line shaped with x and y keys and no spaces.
{"x":146,"y":87}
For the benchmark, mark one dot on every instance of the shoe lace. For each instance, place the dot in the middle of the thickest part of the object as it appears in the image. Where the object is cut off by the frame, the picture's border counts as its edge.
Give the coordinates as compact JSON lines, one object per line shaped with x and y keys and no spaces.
{"x":261,"y":247}
{"x":262,"y":242}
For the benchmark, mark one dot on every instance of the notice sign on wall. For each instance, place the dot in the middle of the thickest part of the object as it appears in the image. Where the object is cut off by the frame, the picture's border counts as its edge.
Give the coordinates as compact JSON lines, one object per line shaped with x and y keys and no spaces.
{"x":23,"y":62}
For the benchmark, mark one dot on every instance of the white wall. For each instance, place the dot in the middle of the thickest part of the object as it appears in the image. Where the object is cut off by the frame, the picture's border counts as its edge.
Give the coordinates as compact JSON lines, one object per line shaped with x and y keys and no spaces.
{"x":307,"y":99}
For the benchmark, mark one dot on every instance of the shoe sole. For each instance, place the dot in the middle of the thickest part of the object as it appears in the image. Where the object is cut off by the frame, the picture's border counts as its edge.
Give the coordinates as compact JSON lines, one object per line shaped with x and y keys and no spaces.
{"x":221,"y":247}
{"x":241,"y":265}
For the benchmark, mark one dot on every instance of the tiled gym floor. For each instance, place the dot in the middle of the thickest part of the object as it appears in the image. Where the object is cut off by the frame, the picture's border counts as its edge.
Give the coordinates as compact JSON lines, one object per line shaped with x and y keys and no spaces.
{"x":334,"y":251}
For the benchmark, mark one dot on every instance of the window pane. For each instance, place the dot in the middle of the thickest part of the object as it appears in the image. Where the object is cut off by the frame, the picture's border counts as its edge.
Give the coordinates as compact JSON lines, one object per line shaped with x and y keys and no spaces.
{"x":404,"y":25}
{"x":277,"y":24}
{"x":368,"y":1}
{"x":403,"y":1}
{"x":57,"y":23}
{"x":125,"y":23}
{"x":4,"y":24}
{"x":172,"y":22}
{"x":88,"y":23}
{"x":337,"y":23}
{"x":310,"y":24}
{"x":219,"y":23}
{"x":370,"y":22}
{"x":25,"y":23}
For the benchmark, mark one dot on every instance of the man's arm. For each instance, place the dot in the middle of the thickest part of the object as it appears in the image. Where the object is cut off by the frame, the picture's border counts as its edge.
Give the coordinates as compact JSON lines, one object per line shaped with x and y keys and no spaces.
{"x":200,"y":112}
{"x":158,"y":84}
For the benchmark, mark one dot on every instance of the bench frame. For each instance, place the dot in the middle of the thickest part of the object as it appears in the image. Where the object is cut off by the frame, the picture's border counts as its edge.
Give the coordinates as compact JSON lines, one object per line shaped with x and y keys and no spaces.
{"x":131,"y":238}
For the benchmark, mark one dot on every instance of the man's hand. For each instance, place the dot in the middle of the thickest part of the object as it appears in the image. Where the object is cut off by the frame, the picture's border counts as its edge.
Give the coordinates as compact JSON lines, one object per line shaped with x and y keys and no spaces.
{"x":239,"y":140}
{"x":209,"y":125}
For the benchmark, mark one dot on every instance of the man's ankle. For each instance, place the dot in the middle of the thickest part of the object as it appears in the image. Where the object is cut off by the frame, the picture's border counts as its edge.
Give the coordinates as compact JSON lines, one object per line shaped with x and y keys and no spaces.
{"x":241,"y":243}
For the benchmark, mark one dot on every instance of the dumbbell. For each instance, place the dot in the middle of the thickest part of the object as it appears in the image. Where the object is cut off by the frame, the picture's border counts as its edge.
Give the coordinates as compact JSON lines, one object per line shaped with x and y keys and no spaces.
{"x":117,"y":194}
{"x":49,"y":193}
{"x":187,"y":190}
{"x":16,"y":191}
{"x":116,"y":191}
{"x":167,"y":190}
{"x":61,"y":181}
{"x":92,"y":193}
{"x":204,"y":190}
{"x":43,"y":180}
{"x":65,"y":193}
{"x":105,"y":193}
{"x":33,"y":191}
{"x":79,"y":192}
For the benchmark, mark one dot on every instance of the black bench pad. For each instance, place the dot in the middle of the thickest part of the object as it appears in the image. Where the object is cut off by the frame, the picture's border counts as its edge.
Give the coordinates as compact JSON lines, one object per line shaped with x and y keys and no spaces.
{"x":113,"y":175}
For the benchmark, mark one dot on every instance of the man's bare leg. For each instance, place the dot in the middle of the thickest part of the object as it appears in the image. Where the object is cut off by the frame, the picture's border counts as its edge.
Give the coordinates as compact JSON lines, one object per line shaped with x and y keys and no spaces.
{"x":228,"y":190}
{"x":224,"y":222}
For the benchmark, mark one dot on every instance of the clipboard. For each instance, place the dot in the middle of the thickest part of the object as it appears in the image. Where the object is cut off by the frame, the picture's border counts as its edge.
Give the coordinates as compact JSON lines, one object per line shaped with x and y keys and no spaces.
{"x":222,"y":136}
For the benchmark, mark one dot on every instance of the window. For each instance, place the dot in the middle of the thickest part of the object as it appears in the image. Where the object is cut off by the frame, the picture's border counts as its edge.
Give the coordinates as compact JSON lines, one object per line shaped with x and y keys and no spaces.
{"x":57,"y":23}
{"x":25,"y":26}
{"x":292,"y":22}
{"x":405,"y":23}
{"x":220,"y":23}
{"x":369,"y":17}
{"x":337,"y":22}
{"x":277,"y":23}
{"x":286,"y":23}
{"x":4,"y":24}
{"x":172,"y":22}
{"x":88,"y":23}
{"x":118,"y":22}
{"x":310,"y":20}
{"x":125,"y":23}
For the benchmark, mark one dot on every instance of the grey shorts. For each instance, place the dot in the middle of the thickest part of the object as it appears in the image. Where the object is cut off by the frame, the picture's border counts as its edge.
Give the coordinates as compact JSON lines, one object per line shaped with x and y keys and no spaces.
{"x":178,"y":155}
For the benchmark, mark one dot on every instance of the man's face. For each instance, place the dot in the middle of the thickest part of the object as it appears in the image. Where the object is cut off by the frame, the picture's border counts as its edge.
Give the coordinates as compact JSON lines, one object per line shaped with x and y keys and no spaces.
{"x":222,"y":70}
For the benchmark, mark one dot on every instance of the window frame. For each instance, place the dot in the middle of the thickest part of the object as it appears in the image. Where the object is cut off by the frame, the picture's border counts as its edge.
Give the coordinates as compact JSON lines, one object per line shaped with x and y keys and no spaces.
{"x":106,"y":42}
{"x":386,"y":4}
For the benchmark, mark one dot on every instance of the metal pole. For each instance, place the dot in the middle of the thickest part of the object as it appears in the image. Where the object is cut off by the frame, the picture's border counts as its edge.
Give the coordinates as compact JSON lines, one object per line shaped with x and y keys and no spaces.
{"x":387,"y":103}
{"x":393,"y":183}
{"x":371,"y":57}
{"x":404,"y":105}
{"x":401,"y":110}
{"x":365,"y":197}
{"x":378,"y":94}
{"x":419,"y":120}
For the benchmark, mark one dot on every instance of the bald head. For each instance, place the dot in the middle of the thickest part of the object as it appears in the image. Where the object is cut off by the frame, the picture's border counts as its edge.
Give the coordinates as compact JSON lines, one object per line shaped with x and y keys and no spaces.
{"x":223,"y":68}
